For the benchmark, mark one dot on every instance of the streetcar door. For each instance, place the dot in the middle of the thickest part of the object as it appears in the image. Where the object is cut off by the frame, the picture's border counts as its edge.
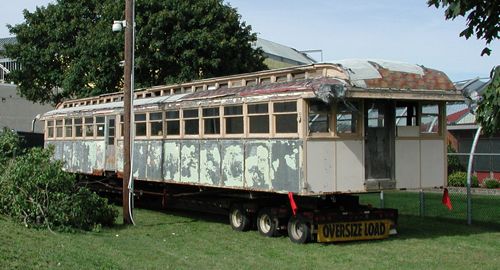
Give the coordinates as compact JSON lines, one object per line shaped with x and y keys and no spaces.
{"x":110,"y":143}
{"x":379,"y":140}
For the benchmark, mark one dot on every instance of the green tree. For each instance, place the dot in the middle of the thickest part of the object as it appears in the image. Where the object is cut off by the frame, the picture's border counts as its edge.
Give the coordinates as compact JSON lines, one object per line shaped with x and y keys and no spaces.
{"x":488,"y":111}
{"x":482,"y":17}
{"x":67,"y":49}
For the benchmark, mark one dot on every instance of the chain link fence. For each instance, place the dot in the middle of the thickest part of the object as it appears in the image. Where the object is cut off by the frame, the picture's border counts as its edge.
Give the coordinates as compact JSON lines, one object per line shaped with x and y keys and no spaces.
{"x":485,"y":208}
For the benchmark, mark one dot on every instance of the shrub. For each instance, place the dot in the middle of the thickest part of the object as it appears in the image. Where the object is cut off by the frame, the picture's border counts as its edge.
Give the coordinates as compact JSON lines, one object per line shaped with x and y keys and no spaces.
{"x":491,"y":183}
{"x":454,"y":164}
{"x":459,"y":179}
{"x":10,"y":146}
{"x":35,"y":190}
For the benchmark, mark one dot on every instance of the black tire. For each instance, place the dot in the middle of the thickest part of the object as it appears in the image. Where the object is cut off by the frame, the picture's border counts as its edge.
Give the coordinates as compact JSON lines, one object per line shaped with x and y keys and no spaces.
{"x":239,"y":219}
{"x":267,"y":223}
{"x":298,"y":231}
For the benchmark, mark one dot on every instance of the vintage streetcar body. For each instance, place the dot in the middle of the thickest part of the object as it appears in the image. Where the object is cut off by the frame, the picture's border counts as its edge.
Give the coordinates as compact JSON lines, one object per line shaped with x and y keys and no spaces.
{"x":323,"y":130}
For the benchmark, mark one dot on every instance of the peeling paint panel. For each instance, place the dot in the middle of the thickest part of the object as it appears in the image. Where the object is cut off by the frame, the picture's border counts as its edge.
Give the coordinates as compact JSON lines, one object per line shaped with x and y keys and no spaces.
{"x":258,"y":165}
{"x":68,"y":155}
{"x":171,"y":160}
{"x":140,"y":159}
{"x":110,"y":164}
{"x":77,"y":156}
{"x":285,"y":171}
{"x":190,"y":154}
{"x":119,"y":156}
{"x":155,"y":160}
{"x":210,"y":164}
{"x":58,"y":149}
{"x":100,"y":155}
{"x":232,"y":163}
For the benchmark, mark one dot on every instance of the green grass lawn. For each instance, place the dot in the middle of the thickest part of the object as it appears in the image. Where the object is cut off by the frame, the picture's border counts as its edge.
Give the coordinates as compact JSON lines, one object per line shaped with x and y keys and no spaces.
{"x":187,"y":240}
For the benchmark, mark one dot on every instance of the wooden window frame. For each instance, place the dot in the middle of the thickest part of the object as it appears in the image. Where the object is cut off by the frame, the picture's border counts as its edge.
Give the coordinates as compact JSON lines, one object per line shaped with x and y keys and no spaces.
{"x":227,"y":116}
{"x":249,"y":115}
{"x":359,"y":121}
{"x":331,"y":121}
{"x":85,"y":124}
{"x":103,"y":124}
{"x":166,"y":120}
{"x":149,"y":128}
{"x":298,"y":113}
{"x":49,"y":127}
{"x":59,"y":125}
{"x":145,"y":122}
{"x":70,"y":126}
{"x":183,"y":123}
{"x":75,"y":125}
{"x":439,"y":115}
{"x":219,"y":116}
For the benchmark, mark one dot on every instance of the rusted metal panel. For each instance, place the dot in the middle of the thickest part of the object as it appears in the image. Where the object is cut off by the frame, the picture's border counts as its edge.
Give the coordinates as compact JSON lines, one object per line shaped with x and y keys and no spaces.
{"x":190,"y":158}
{"x":210,"y":163}
{"x":285,"y":169}
{"x":232,"y":163}
{"x":171,"y":160}
{"x":154,"y":161}
{"x":258,"y":165}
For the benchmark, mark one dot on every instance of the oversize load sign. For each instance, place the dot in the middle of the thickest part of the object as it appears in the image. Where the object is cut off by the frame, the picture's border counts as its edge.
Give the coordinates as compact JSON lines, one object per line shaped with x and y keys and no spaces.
{"x":356,"y":230}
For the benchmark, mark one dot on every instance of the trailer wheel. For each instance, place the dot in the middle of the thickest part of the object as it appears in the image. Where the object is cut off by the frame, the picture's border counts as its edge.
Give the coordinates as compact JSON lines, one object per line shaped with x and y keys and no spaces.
{"x":298,"y":231}
{"x":239,"y":219}
{"x":267,"y":223}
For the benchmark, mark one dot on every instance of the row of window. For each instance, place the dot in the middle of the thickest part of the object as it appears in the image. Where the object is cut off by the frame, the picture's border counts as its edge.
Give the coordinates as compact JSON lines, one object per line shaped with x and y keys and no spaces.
{"x":216,"y":120}
{"x":230,"y":120}
{"x":253,"y":119}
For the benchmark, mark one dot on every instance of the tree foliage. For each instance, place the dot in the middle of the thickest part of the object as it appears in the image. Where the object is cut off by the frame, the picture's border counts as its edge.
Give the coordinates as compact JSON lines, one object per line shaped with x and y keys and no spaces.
{"x":482,"y":17}
{"x":67,"y":49}
{"x":36,"y":191}
{"x":488,"y":110}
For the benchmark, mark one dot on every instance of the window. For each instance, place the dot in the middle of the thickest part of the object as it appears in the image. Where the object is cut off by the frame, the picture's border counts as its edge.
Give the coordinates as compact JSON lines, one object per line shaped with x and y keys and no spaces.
{"x":156,"y":123}
{"x":285,"y":116}
{"x":68,"y":127}
{"x":319,"y":117}
{"x":78,"y":127}
{"x":140,"y":124}
{"x":211,"y":120}
{"x":111,"y":131}
{"x":99,"y":120}
{"x":429,"y":120}
{"x":89,"y":127}
{"x":50,"y":128}
{"x":233,"y":117}
{"x":173,"y":123}
{"x":59,"y":128}
{"x":347,"y":119}
{"x":191,"y":123}
{"x":406,"y":114}
{"x":258,"y":118}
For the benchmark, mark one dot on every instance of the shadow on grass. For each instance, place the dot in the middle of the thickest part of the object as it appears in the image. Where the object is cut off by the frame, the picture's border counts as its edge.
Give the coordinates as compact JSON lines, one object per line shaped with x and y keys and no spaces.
{"x":409,"y":226}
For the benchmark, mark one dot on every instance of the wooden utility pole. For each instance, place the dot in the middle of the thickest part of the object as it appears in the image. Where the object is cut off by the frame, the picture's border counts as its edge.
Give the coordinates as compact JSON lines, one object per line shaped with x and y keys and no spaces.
{"x":127,"y":104}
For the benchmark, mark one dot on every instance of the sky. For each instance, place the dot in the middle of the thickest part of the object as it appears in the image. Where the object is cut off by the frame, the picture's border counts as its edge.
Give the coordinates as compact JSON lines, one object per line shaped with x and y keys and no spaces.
{"x":406,"y":31}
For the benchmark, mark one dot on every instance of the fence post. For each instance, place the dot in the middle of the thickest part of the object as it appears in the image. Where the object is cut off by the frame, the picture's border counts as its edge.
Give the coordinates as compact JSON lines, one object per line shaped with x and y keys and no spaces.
{"x":382,"y":203}
{"x":422,"y":203}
